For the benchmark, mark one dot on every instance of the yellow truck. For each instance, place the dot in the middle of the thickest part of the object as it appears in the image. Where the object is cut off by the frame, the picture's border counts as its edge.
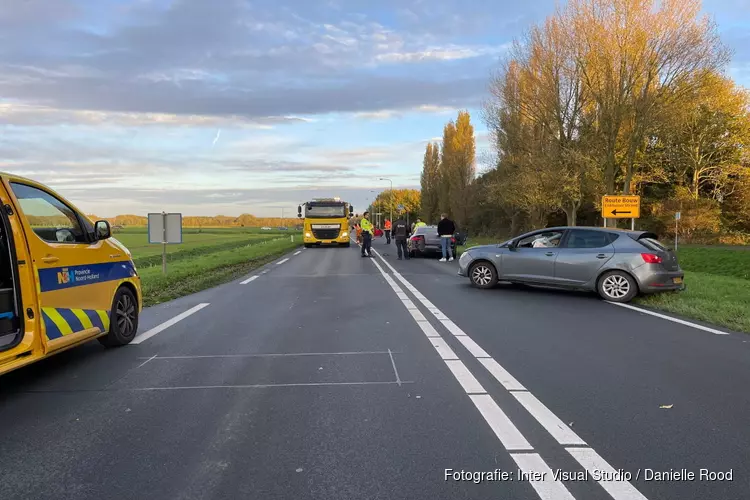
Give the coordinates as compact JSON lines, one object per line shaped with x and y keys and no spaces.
{"x":326,"y":222}
{"x":63,"y":279}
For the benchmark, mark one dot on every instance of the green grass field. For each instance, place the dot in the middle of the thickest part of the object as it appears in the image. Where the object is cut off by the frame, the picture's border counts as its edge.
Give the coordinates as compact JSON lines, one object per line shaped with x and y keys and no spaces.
{"x":204,"y":259}
{"x":717,"y":280}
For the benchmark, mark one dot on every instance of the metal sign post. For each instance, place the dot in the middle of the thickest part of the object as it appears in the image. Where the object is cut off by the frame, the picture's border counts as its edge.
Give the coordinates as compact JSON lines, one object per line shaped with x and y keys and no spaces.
{"x":164,"y":228}
{"x":676,"y":228}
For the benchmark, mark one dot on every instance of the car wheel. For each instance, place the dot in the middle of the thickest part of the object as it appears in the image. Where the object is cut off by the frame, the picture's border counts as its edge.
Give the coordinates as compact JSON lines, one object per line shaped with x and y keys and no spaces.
{"x":347,"y":245}
{"x":483,"y":275}
{"x":617,"y":286}
{"x":308,"y":245}
{"x":123,"y":319}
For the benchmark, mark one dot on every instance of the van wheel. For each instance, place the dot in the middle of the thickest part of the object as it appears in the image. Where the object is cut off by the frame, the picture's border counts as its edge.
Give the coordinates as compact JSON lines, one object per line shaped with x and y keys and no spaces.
{"x":123,"y":319}
{"x":617,"y":286}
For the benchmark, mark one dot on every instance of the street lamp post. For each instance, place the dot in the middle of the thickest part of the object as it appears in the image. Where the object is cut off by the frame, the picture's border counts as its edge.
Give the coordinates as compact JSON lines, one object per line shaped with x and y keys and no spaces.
{"x":389,"y":180}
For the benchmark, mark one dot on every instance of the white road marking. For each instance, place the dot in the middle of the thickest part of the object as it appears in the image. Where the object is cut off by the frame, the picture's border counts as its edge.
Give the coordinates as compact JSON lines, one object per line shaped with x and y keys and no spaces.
{"x":251,"y":278}
{"x":395,"y":371}
{"x":506,"y":432}
{"x":502,"y":375}
{"x":263,"y":386}
{"x":409,"y":304}
{"x":540,"y":476}
{"x":149,"y":359}
{"x":443,"y":349}
{"x":280,"y":354}
{"x":428,"y":329}
{"x":282,"y":261}
{"x":504,"y":429}
{"x":157,"y":329}
{"x":298,"y":252}
{"x":670,"y":318}
{"x":472,"y":347}
{"x":417,"y":315}
{"x":624,"y":488}
{"x":450,"y":325}
{"x":561,"y":432}
{"x":617,"y":489}
{"x":470,"y":384}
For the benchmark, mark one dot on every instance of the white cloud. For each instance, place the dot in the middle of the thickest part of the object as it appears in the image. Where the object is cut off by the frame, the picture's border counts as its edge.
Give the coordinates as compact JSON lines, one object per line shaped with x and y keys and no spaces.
{"x":30,"y":115}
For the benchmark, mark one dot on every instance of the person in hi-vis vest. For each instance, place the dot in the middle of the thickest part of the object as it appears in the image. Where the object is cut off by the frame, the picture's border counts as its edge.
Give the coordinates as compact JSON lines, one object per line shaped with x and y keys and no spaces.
{"x":367,"y":231}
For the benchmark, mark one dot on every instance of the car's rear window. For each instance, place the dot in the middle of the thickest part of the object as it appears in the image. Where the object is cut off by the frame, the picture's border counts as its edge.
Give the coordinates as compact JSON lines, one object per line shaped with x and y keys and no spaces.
{"x":653,"y":244}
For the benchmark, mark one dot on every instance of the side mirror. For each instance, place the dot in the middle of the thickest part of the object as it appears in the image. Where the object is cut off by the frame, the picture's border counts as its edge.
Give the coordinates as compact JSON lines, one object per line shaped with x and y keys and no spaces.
{"x":102,"y":231}
{"x":299,"y":211}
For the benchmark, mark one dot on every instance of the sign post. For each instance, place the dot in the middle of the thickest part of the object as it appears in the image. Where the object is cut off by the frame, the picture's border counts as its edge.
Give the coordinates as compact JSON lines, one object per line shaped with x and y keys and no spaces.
{"x":621,"y":207}
{"x":164,"y":228}
{"x":677,"y":217}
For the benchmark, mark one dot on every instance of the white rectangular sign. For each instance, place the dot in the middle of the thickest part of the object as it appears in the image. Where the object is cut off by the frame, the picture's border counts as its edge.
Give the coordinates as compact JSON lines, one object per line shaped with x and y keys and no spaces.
{"x":156,"y":228}
{"x":677,"y":216}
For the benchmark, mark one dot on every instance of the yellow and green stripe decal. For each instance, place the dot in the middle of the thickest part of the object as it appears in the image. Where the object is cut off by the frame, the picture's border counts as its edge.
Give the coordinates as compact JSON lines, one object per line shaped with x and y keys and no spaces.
{"x":59,"y":322}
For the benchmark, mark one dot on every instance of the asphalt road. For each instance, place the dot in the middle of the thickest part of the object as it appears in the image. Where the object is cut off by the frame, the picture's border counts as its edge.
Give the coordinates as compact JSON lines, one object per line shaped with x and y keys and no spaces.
{"x":328,"y":376}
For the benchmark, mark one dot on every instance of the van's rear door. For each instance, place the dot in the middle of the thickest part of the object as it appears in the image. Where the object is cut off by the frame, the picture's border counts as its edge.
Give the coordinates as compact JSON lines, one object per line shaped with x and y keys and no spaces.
{"x":18,"y":276}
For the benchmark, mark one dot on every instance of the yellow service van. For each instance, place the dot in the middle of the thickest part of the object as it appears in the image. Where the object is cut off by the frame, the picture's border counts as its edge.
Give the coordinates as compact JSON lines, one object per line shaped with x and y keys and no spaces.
{"x":63,"y":279}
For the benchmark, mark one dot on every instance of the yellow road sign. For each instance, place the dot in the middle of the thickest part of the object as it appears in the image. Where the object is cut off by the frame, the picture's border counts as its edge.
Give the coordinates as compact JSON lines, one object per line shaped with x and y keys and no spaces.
{"x":621,"y":207}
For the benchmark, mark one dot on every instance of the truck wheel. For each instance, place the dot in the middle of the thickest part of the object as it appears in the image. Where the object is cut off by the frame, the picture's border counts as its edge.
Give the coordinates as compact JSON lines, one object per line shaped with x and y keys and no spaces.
{"x":123,"y":319}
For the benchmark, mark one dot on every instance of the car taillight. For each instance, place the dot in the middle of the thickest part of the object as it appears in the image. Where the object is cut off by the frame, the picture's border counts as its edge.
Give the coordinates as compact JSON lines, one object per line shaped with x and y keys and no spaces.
{"x":650,"y":258}
{"x":415,"y":238}
{"x":453,"y":240}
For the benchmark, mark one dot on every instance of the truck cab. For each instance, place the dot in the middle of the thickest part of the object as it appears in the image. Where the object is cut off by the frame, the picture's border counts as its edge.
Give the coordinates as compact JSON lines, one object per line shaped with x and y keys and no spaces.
{"x":326,"y":222}
{"x":63,"y":279}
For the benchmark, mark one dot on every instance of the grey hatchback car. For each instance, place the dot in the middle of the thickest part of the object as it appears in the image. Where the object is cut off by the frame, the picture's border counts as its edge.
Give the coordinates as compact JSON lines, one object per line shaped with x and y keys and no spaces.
{"x":616,"y":264}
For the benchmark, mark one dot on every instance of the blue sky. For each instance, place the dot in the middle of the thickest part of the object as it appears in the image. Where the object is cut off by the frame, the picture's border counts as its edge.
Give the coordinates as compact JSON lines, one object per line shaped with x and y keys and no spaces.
{"x":212,"y":107}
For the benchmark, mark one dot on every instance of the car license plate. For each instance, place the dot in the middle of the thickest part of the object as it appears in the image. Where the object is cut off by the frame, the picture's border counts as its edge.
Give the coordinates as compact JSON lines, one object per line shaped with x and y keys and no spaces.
{"x":677,"y":280}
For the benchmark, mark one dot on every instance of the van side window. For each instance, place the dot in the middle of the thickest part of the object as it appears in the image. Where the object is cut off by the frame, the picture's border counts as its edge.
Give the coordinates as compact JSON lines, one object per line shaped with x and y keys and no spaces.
{"x":51,"y":219}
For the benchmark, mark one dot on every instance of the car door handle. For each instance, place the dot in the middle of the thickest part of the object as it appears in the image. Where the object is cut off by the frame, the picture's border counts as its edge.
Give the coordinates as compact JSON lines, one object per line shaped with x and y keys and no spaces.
{"x":115,"y":256}
{"x":50,"y":259}
{"x":550,"y":254}
{"x":601,"y":256}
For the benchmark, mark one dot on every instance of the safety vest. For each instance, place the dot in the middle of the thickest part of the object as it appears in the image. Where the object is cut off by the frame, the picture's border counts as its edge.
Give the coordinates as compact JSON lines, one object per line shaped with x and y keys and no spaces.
{"x":419,"y":224}
{"x":387,"y":225}
{"x":366,"y":225}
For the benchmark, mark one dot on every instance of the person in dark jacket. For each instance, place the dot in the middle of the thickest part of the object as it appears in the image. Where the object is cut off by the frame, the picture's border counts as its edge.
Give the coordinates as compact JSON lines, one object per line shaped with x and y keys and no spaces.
{"x":400,"y":233}
{"x":446,"y":229}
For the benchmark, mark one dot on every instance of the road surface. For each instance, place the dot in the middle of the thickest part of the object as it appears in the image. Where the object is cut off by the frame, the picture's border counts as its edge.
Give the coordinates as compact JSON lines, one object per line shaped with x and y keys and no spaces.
{"x":328,"y":376}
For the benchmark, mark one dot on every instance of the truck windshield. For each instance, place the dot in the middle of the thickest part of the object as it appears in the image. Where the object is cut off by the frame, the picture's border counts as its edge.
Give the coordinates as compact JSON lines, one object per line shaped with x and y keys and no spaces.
{"x":323,"y":211}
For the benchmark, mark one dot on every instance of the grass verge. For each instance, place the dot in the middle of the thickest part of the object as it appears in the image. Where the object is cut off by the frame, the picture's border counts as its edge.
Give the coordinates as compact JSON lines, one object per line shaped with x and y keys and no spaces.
{"x":197,"y":251}
{"x":204,"y":271}
{"x":712,"y":298}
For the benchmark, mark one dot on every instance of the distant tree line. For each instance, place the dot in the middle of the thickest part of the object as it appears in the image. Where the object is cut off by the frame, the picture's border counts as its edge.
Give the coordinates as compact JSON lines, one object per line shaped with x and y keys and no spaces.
{"x":244,"y":220}
{"x":606,"y":97}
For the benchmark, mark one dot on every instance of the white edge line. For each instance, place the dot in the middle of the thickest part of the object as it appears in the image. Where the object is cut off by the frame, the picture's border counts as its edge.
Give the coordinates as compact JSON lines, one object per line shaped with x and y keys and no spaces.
{"x":251,"y":278}
{"x":157,"y":329}
{"x":538,"y":473}
{"x":282,"y":261}
{"x":556,"y":427}
{"x":670,"y":318}
{"x":617,"y":489}
{"x":298,"y":252}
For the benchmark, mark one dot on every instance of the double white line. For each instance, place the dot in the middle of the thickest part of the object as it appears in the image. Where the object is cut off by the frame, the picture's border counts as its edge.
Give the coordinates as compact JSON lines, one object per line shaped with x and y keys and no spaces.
{"x":520,"y":449}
